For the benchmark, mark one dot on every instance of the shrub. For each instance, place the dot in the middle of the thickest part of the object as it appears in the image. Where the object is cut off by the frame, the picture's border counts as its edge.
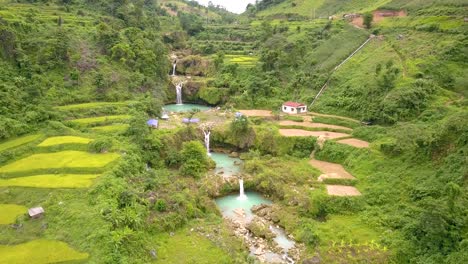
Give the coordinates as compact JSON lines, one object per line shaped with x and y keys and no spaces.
{"x":100,"y":145}
{"x":195,"y":161}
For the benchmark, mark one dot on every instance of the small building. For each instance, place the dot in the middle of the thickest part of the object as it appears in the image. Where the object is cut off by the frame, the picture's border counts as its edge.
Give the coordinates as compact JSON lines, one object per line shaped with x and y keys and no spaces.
{"x":36,"y":212}
{"x":153,"y":123}
{"x":294,"y":108}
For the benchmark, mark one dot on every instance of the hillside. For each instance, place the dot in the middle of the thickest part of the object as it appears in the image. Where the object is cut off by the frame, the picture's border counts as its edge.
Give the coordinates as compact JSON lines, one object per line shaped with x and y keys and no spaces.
{"x":155,"y":132}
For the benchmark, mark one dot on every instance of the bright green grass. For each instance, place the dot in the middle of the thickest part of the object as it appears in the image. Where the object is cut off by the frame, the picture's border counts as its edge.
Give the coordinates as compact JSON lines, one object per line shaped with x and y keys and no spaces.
{"x":38,"y":252}
{"x":185,"y":247}
{"x":63,"y":159}
{"x":64,"y":140}
{"x":92,"y":105}
{"x":51,"y":181}
{"x":18,"y":141}
{"x":111,"y":128}
{"x":242,"y":60}
{"x":346,"y":228}
{"x":100,"y":119}
{"x":322,"y":8}
{"x":443,"y":22}
{"x":9,"y":213}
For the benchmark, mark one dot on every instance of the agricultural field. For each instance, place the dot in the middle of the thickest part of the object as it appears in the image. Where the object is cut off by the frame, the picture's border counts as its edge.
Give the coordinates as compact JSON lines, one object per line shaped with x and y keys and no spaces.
{"x":111,"y":128}
{"x":41,"y":252}
{"x":243,"y":61}
{"x":12,"y":143}
{"x":101,"y":119}
{"x":10,"y":212}
{"x":51,"y":181}
{"x":53,"y":141}
{"x":92,"y":105}
{"x":59,"y":160}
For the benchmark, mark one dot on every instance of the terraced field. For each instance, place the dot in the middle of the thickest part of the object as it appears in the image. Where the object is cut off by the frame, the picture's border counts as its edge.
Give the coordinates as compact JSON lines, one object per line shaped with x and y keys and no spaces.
{"x":60,"y":160}
{"x":10,"y":212}
{"x":93,"y":105}
{"x":111,"y":128}
{"x":18,"y":141}
{"x":53,"y":141}
{"x":40,"y":251}
{"x":243,"y":61}
{"x":100,"y":119}
{"x":51,"y":181}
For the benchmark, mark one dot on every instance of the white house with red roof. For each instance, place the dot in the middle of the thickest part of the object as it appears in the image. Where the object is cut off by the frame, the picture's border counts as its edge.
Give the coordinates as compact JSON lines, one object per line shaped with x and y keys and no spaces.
{"x":294,"y":108}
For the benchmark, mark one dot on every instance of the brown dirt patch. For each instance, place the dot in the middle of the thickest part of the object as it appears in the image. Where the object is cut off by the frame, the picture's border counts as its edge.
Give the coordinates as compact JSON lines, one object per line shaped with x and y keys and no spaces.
{"x":378,"y":15}
{"x":357,"y":143}
{"x":260,"y":113}
{"x":342,"y":190}
{"x":312,"y":125}
{"x":335,"y":116}
{"x":305,"y":133}
{"x":330,"y":170}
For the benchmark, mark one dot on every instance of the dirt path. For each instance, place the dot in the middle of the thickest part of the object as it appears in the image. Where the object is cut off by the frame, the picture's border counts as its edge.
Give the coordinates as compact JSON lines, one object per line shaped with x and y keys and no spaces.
{"x":305,"y":133}
{"x":341,"y":190}
{"x":354,"y":142}
{"x":330,"y":170}
{"x":312,"y":125}
{"x":335,"y":116}
{"x":260,"y":113}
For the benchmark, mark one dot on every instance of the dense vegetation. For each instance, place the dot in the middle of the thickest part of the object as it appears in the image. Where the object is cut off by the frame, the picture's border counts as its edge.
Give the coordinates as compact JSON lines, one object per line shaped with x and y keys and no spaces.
{"x":79,"y":80}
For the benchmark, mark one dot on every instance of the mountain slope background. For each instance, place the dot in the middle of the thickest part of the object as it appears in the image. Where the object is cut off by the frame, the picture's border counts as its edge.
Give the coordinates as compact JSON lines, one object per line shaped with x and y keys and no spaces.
{"x":409,"y":82}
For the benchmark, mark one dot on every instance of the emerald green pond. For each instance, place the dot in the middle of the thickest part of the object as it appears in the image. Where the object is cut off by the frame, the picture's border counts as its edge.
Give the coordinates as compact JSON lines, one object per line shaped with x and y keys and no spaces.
{"x":185,"y":107}
{"x":225,"y":164}
{"x":229,"y":203}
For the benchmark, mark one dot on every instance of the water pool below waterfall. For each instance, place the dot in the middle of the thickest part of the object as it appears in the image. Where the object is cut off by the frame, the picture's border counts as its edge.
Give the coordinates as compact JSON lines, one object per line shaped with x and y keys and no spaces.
{"x":185,"y":107}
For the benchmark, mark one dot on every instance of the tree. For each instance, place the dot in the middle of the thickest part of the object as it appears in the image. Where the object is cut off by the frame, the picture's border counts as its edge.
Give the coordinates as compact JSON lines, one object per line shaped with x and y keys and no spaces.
{"x":195,"y":161}
{"x":242,"y":134}
{"x":368,"y":17}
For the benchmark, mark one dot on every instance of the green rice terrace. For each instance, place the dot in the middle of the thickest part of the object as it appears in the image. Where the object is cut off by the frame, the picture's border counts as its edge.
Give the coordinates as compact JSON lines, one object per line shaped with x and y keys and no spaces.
{"x":170,"y":132}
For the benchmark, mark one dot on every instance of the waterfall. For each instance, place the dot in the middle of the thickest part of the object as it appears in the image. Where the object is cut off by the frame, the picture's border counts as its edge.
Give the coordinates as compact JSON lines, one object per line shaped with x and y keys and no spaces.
{"x":207,"y":140}
{"x":242,"y":196}
{"x":179,"y":94}
{"x":174,"y":68}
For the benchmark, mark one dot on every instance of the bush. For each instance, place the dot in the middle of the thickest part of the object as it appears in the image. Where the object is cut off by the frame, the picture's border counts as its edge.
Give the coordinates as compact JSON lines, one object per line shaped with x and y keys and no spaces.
{"x":294,"y":118}
{"x":195,"y":160}
{"x":100,"y":145}
{"x":212,"y":96}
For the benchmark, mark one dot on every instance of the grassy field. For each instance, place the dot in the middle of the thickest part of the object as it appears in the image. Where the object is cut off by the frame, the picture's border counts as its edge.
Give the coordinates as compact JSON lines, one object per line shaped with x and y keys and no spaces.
{"x":100,"y":119}
{"x":64,"y":140}
{"x":51,"y":181}
{"x":92,"y":105}
{"x":39,"y":252}
{"x":243,"y":61}
{"x":196,"y":249}
{"x":18,"y":141}
{"x":321,"y":8}
{"x":111,"y":128}
{"x":10,"y":212}
{"x":59,"y":160}
{"x":348,"y":228}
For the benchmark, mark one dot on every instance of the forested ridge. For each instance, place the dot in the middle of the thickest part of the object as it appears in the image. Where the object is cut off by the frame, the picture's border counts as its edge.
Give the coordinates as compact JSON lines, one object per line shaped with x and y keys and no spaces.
{"x":79,"y":80}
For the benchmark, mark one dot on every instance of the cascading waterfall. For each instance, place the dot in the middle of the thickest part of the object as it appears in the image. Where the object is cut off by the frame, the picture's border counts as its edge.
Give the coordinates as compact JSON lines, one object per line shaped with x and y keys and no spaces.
{"x":207,"y":140}
{"x":174,"y":65}
{"x":242,"y":195}
{"x":179,"y":94}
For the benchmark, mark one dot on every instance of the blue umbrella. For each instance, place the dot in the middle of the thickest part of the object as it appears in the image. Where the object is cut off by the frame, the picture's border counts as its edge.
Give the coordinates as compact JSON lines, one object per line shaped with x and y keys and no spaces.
{"x":152,"y":122}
